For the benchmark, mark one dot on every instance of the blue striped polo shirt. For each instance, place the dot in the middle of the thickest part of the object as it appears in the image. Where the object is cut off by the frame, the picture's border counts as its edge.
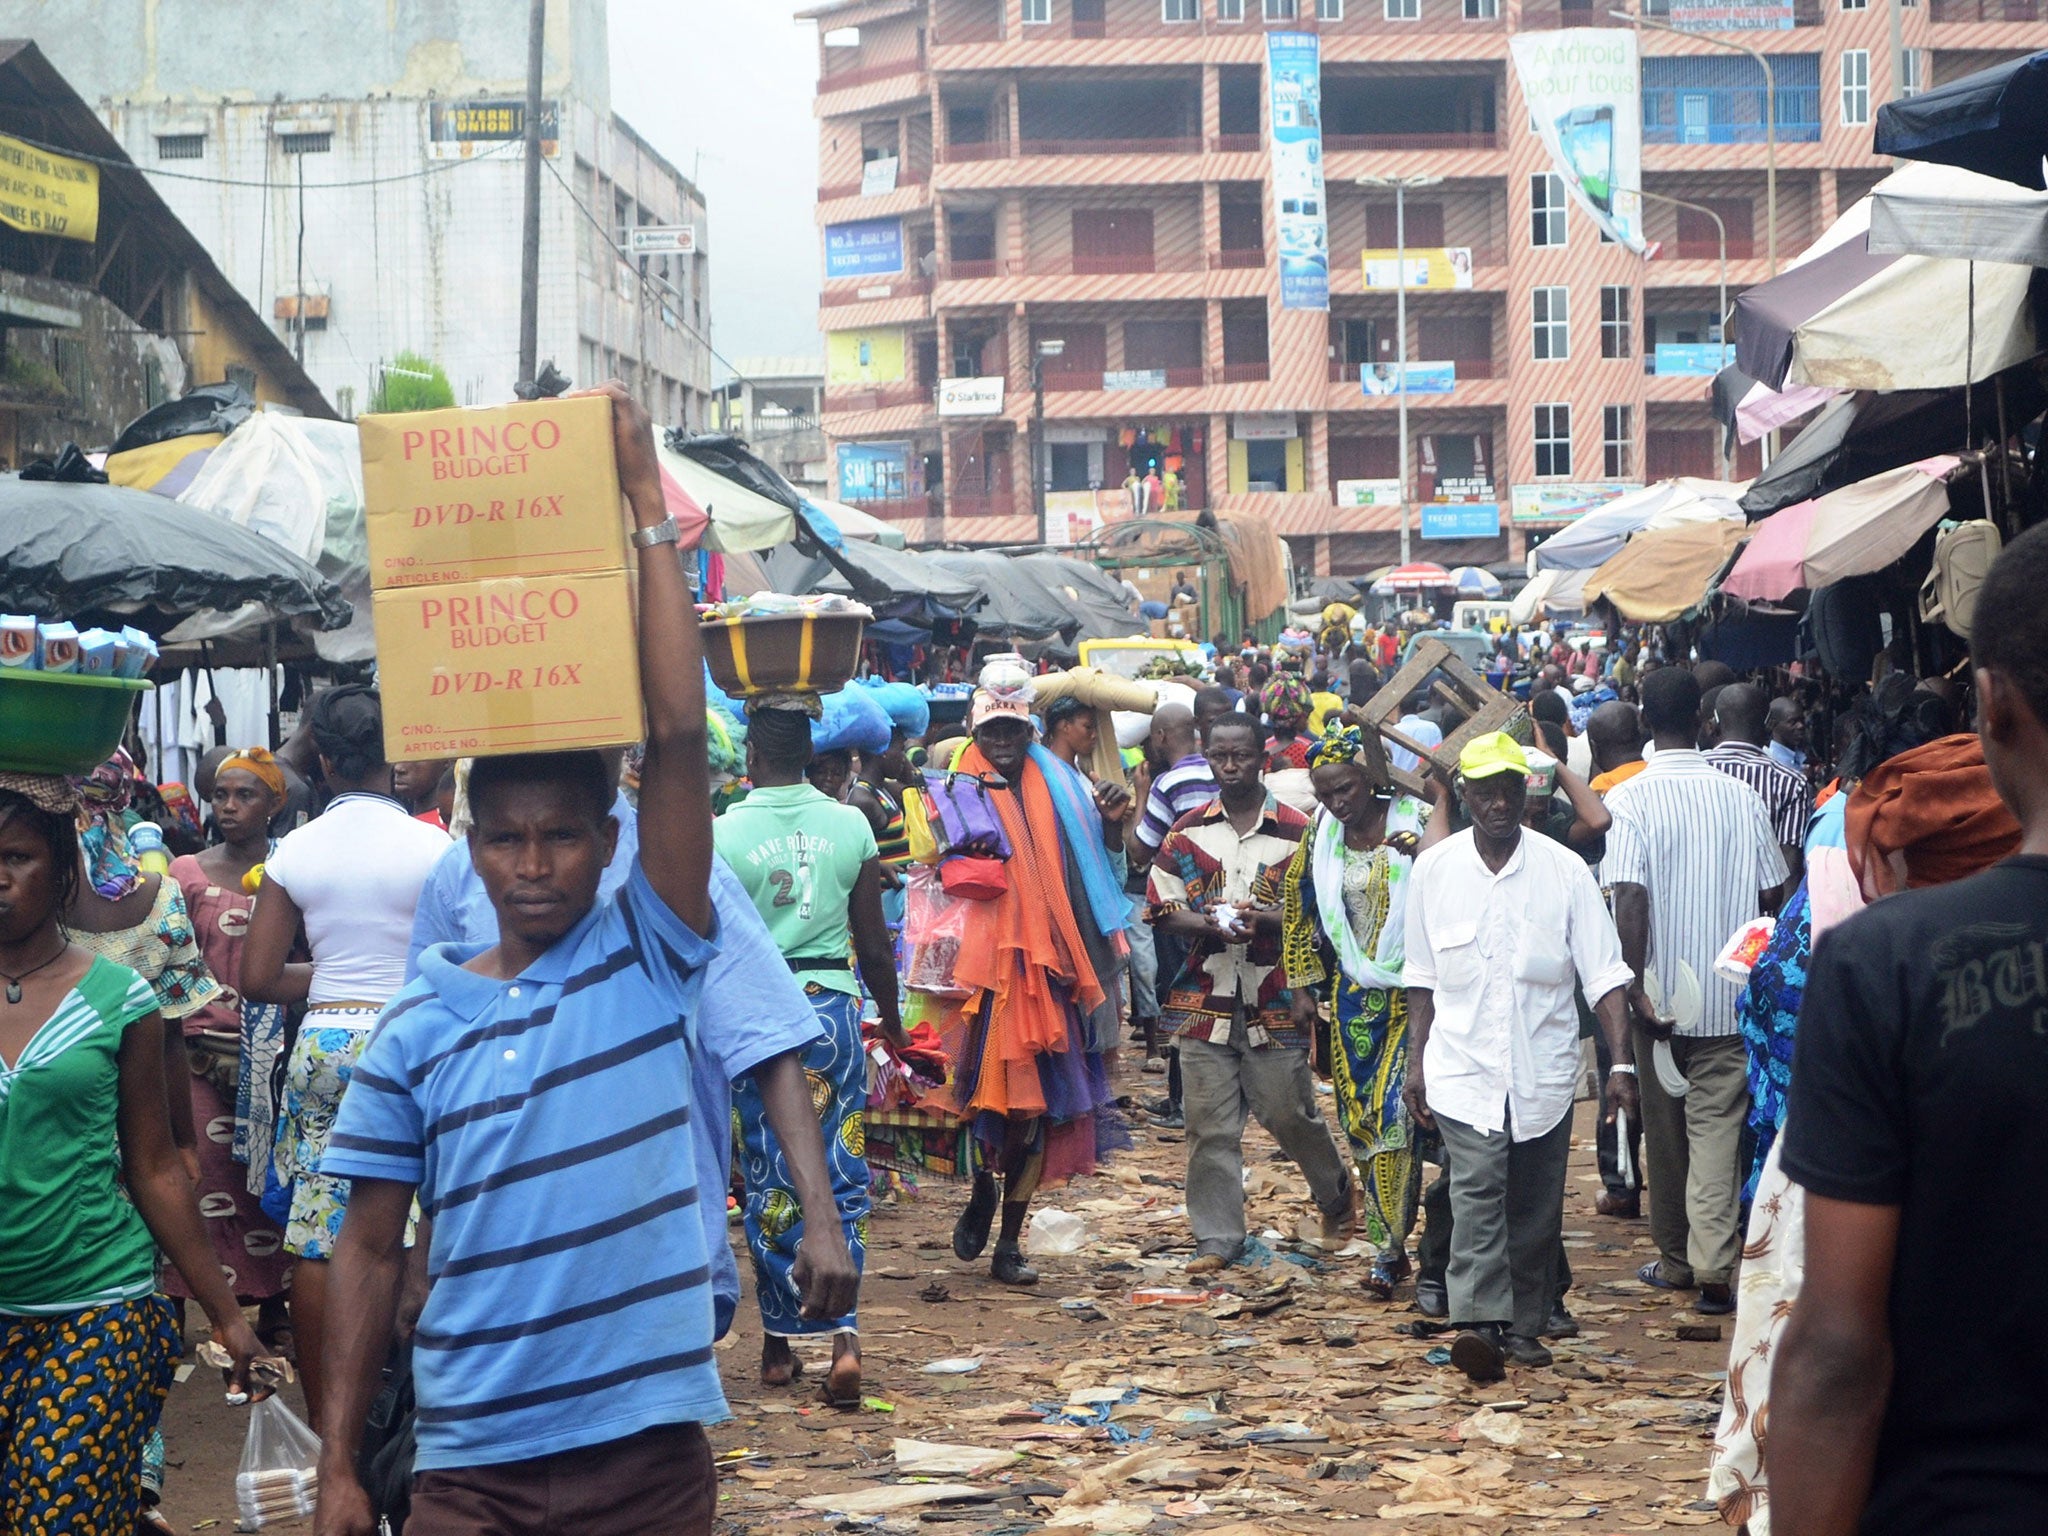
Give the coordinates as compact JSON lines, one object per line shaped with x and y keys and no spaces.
{"x":547,"y":1123}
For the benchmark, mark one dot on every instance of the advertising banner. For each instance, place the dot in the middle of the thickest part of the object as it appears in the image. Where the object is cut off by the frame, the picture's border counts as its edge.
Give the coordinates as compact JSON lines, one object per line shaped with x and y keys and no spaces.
{"x":1564,"y":501}
{"x":1135,"y":378}
{"x":1074,"y":516}
{"x":1368,"y":493}
{"x":1460,"y":520}
{"x":1423,"y":378}
{"x":1294,"y":76}
{"x":1702,"y":359}
{"x":1584,"y":87}
{"x":864,"y":248}
{"x":876,"y":472}
{"x":1428,"y":267}
{"x":879,"y":176}
{"x":1264,"y":426}
{"x":46,"y":194}
{"x":971,"y":397}
{"x":873,"y":356}
{"x":460,"y":130}
{"x":1732,"y":15}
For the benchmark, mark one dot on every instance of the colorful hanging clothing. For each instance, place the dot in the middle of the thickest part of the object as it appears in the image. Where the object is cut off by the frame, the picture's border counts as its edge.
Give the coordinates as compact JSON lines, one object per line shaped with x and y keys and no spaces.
{"x":1343,"y":930}
{"x":835,"y":1066}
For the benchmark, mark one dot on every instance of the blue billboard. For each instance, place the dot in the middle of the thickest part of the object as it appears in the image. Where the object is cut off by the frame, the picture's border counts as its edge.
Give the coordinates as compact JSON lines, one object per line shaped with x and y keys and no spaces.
{"x":864,"y":248}
{"x":1460,"y":520}
{"x":1700,"y":359}
{"x":1295,"y":87}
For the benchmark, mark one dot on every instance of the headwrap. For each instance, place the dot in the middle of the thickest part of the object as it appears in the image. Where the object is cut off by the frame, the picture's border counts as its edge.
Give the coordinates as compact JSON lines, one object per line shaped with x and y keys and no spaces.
{"x":1340,"y":744}
{"x":103,"y":795}
{"x":260,"y":765}
{"x":1936,"y":806}
{"x":48,"y":792}
{"x":1285,"y":700}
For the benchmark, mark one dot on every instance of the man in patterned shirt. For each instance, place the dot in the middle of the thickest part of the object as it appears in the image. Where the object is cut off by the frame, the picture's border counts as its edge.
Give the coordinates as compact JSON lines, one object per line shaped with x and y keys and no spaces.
{"x":1240,"y":1050}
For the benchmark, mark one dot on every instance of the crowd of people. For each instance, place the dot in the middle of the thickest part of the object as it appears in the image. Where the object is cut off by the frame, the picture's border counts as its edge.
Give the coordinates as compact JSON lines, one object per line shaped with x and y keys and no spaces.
{"x":468,"y":1060}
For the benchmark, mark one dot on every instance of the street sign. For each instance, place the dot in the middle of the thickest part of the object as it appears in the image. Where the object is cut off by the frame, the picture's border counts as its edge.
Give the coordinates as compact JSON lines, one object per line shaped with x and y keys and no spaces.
{"x":662,"y":240}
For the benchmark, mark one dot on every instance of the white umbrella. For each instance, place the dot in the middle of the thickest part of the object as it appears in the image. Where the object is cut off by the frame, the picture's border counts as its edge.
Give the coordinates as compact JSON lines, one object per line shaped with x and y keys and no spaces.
{"x":1957,"y":213}
{"x":1599,"y":535}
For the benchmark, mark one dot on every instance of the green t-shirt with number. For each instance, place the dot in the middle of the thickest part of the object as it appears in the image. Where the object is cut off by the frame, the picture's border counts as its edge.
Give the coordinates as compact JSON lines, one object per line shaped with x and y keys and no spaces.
{"x":70,"y":1239}
{"x":798,"y":853}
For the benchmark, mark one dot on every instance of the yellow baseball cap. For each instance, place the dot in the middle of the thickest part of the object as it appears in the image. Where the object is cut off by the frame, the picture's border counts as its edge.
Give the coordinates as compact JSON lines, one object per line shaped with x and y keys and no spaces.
{"x":1494,"y":753}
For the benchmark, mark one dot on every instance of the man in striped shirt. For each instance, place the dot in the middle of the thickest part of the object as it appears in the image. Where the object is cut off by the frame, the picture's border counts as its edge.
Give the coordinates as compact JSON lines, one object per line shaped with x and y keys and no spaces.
{"x":1691,"y":857}
{"x":1743,"y":714}
{"x":538,"y":1095}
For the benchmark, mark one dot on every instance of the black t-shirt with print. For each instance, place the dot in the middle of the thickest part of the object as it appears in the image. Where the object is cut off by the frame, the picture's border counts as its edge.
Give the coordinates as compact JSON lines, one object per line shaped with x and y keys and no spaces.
{"x":1920,"y":1079}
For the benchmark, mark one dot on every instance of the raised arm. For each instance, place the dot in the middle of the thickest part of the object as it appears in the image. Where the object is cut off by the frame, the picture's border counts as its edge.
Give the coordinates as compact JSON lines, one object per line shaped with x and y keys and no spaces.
{"x":675,"y":783}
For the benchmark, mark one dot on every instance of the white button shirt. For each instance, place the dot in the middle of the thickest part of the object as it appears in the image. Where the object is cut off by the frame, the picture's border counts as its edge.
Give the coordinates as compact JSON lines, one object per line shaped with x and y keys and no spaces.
{"x":1500,"y":952}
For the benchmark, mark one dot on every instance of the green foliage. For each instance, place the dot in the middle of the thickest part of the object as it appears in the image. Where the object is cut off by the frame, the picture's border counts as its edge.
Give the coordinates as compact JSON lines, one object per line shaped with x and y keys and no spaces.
{"x":26,"y":375}
{"x":398,"y":390}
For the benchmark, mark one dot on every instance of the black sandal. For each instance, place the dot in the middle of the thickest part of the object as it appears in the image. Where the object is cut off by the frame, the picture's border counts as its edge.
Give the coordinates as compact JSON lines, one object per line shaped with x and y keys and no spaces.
{"x":970,"y":1232}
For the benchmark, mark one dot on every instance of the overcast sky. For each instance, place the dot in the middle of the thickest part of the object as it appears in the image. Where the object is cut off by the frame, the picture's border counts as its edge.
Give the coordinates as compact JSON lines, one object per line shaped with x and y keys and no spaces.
{"x":723,"y":88}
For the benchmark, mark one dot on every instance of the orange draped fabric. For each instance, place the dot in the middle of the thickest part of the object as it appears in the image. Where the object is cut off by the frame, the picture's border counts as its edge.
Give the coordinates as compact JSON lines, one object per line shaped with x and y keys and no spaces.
{"x":1014,"y":950}
{"x":1935,"y":808}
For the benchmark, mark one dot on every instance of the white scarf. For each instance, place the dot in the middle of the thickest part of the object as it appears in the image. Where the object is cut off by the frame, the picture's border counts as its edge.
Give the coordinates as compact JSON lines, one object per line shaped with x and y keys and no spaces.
{"x":1382,"y":968}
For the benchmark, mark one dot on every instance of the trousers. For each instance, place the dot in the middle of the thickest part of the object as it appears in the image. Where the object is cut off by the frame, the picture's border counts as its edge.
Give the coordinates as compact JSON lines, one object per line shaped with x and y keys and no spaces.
{"x":1507,"y":1205}
{"x":1693,"y":1146}
{"x":1225,"y":1083}
{"x":660,"y":1482}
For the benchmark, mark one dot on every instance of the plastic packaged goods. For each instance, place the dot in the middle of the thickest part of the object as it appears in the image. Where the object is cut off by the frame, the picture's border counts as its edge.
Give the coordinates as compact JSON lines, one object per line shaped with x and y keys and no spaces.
{"x":17,"y":640}
{"x":57,"y":647}
{"x":279,"y":1478}
{"x":99,"y":653}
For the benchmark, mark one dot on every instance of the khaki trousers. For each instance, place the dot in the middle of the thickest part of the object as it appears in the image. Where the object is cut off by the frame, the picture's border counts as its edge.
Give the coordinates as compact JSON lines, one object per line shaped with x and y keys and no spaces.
{"x":1693,"y":1146}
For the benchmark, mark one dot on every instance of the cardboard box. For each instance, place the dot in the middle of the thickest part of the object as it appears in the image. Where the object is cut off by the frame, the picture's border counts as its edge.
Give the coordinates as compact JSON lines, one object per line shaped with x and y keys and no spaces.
{"x":526,"y":664}
{"x":528,"y":489}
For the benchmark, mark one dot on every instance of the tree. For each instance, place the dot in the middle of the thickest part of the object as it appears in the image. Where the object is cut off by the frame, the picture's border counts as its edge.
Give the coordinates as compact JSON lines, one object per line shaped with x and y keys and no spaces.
{"x":410,"y":382}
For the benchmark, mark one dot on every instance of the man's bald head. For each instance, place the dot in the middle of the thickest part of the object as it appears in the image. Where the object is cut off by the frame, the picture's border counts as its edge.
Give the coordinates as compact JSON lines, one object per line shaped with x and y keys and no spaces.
{"x":1614,"y":732}
{"x":1172,"y":737}
{"x":1209,"y":703}
{"x":1741,"y":708}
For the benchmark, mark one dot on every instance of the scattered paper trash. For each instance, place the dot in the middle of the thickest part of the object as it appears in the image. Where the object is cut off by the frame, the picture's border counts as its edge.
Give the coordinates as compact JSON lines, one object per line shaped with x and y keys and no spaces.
{"x":928,"y":1458}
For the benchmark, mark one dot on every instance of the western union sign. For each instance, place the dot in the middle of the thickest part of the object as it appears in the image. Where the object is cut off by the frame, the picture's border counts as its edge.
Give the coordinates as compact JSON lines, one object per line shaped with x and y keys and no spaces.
{"x":46,"y":194}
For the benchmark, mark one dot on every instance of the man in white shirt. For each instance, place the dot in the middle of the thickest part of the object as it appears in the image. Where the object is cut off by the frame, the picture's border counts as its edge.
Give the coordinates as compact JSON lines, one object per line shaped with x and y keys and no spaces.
{"x":1499,"y":925}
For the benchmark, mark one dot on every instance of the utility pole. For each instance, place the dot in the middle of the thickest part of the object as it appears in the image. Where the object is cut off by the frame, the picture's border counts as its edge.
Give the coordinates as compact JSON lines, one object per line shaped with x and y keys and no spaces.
{"x":1401,"y":184}
{"x":1898,"y":50}
{"x":1721,"y":314}
{"x":529,"y":255}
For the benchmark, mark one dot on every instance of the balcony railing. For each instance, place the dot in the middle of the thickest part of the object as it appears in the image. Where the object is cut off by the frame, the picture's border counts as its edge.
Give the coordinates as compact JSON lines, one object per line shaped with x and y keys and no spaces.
{"x":1390,"y":143}
{"x":1235,"y":143}
{"x":997,"y":503}
{"x":847,"y":79}
{"x":880,"y":397}
{"x":968,"y":271}
{"x":1728,"y":114}
{"x":1071,"y":381}
{"x":974,"y":149}
{"x":906,"y":176}
{"x":861,"y":291}
{"x":1126,"y":263}
{"x":1250,"y":256}
{"x":1190,"y":145}
{"x":1361,"y":17}
{"x":1742,"y":249}
{"x":1944,"y":11}
{"x":1245,"y":373}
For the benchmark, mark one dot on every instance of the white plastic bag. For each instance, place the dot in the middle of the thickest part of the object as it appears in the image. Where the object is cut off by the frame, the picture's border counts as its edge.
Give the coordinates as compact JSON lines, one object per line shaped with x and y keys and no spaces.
{"x":279,"y":1477}
{"x":1054,"y":1232}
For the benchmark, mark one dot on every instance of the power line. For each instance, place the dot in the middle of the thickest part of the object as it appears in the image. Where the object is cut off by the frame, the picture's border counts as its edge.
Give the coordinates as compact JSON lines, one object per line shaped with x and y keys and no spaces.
{"x":123,"y":164}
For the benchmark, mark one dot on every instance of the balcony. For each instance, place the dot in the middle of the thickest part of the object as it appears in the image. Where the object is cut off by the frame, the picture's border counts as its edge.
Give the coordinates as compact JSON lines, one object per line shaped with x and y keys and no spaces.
{"x":975,"y":149}
{"x":1160,"y":146}
{"x":1394,"y":143}
{"x":1226,"y":261}
{"x":864,"y":291}
{"x":986,"y":27}
{"x":1235,"y":143}
{"x":1728,"y":114}
{"x":1073,"y":381}
{"x":1245,"y":373}
{"x":1740,"y":248}
{"x":1944,"y":12}
{"x":847,"y":79}
{"x":880,"y":397}
{"x":1467,"y":368}
{"x":906,"y":176}
{"x":1805,"y":13}
{"x":996,"y":503}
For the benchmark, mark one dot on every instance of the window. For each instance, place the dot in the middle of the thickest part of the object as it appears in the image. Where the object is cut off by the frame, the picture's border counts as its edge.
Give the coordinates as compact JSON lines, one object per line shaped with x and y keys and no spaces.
{"x":1551,"y":335}
{"x":1404,"y":10}
{"x":1482,"y":10}
{"x":180,"y":146}
{"x":1230,"y":10}
{"x":1546,"y":209}
{"x":1617,"y":441}
{"x":306,"y":143}
{"x":1553,"y":441}
{"x":1329,"y":10}
{"x":1037,"y":12}
{"x":1280,"y":10}
{"x":1855,"y":87}
{"x":1911,"y":71}
{"x":1180,"y":10}
{"x":1614,"y":338}
{"x":1855,"y":5}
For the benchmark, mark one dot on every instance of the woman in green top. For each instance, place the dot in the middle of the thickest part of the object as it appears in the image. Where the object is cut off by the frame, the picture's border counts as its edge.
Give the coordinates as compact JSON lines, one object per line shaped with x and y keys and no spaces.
{"x":90,"y":1185}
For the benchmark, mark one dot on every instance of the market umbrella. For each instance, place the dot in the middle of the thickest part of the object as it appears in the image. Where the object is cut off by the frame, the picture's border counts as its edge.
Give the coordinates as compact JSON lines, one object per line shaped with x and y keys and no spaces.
{"x":1994,"y":121}
{"x":1599,"y":535}
{"x":1965,"y":216}
{"x":1417,"y":576}
{"x":1853,"y":531}
{"x":899,"y":583}
{"x":1860,"y":435}
{"x":1749,"y":410}
{"x":1560,"y":594}
{"x":741,"y":517}
{"x":1017,"y":605}
{"x":1846,"y":317}
{"x":79,"y":551}
{"x":1659,"y":576}
{"x":856,"y":524}
{"x":1471,"y":581}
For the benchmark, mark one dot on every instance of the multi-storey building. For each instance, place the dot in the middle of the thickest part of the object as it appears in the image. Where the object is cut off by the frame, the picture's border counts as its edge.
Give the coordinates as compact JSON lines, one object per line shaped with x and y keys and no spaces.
{"x":401,"y":123}
{"x":996,"y":175}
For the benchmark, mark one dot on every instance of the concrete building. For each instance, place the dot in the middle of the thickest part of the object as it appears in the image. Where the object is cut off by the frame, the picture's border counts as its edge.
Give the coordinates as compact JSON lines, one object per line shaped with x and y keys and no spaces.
{"x":997,"y":175}
{"x":93,"y":332}
{"x":355,"y":169}
{"x":777,"y":404}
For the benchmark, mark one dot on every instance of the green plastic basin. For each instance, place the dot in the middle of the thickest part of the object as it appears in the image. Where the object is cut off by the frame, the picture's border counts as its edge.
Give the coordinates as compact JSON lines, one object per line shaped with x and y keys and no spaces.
{"x":59,"y":722}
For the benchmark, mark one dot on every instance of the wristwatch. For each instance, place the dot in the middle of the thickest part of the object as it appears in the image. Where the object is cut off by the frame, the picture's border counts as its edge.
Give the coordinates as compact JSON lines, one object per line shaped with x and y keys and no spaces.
{"x":667,"y":531}
{"x":1622,"y":1066}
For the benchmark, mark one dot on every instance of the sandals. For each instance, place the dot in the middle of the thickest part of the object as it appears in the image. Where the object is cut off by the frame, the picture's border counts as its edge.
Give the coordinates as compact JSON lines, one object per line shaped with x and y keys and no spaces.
{"x":1387,"y":1272}
{"x":1652,"y":1275}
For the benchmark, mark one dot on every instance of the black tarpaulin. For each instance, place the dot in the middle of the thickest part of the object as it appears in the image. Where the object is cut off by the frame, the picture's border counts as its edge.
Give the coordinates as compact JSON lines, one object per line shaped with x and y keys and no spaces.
{"x":1994,"y":122}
